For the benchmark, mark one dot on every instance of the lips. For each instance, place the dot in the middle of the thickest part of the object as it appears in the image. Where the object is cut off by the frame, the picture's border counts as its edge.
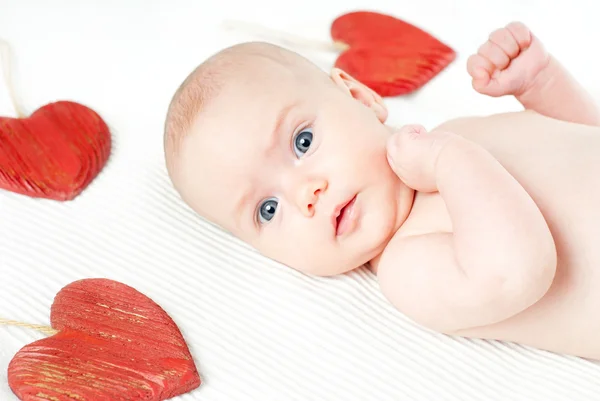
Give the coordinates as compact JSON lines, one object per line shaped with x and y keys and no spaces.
{"x":344,"y":216}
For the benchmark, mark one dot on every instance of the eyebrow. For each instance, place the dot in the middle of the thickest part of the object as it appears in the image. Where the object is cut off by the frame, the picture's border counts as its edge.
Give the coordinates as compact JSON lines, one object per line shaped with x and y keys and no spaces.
{"x":273,"y":143}
{"x":279,"y":123}
{"x":241,"y":203}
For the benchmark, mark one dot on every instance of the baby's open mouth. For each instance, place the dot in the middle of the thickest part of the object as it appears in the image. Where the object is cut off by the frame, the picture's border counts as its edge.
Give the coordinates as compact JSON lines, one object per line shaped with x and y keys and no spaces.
{"x":342,"y":220}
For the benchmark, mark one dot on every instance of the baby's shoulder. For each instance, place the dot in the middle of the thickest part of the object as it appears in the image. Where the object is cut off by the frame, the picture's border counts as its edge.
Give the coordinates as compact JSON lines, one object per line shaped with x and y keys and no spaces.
{"x":458,"y":122}
{"x":523,"y":129}
{"x":466,"y":124}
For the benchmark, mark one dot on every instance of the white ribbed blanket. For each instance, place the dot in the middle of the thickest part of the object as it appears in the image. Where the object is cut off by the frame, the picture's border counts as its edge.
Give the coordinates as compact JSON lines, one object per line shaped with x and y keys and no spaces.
{"x":257,"y":330}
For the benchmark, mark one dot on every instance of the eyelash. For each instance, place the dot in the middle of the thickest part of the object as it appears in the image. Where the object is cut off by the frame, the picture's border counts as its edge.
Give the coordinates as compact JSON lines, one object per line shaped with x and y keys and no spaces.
{"x":297,"y":132}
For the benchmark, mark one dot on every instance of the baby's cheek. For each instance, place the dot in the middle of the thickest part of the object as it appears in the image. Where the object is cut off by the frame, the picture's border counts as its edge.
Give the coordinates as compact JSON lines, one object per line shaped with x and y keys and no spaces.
{"x":290,"y":245}
{"x":307,"y":251}
{"x":371,"y":159}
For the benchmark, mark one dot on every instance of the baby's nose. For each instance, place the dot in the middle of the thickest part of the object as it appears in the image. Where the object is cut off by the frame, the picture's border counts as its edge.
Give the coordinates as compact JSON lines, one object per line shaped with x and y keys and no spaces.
{"x":308,"y":195}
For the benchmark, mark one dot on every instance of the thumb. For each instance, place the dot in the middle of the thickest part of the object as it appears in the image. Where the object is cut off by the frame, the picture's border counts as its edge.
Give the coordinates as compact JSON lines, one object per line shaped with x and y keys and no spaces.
{"x":411,"y":155}
{"x":399,"y":146}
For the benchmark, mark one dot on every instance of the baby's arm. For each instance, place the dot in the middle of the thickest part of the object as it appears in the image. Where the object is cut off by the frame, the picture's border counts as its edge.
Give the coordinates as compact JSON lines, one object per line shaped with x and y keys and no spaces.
{"x":500,"y":257}
{"x":514,"y":62}
{"x":555,"y":93}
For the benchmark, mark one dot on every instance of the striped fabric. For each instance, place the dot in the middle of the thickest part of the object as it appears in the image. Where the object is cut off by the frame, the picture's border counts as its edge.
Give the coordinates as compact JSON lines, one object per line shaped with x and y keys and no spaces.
{"x":257,"y":330}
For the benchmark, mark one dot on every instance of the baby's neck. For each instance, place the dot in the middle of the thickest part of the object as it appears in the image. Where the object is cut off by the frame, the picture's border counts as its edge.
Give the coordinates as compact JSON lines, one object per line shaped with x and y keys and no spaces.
{"x":373,"y":264}
{"x":402,"y":228}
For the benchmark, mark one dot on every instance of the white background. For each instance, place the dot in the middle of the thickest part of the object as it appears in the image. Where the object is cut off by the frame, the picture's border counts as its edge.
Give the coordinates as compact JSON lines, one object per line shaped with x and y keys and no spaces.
{"x":257,"y":330}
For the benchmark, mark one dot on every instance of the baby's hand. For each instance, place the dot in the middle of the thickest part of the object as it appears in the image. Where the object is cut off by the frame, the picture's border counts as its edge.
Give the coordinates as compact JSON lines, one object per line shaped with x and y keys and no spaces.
{"x":413,"y":154}
{"x":508,"y":63}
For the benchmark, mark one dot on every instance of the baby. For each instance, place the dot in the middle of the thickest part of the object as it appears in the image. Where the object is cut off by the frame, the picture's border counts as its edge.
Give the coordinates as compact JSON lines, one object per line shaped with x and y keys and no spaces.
{"x":484,"y":227}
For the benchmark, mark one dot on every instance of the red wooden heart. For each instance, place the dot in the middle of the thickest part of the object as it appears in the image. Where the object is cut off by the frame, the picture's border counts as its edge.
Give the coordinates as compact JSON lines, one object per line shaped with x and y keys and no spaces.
{"x":55,"y":153}
{"x":114,"y":343}
{"x":390,"y":56}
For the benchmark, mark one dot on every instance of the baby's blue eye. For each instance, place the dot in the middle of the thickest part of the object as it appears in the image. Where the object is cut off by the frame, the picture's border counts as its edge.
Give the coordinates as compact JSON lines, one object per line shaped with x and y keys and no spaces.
{"x":302,"y":142}
{"x":267,"y":210}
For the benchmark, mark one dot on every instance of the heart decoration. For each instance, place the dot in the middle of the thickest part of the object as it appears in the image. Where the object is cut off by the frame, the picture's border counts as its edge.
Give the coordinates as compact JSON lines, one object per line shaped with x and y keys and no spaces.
{"x":389,"y":55}
{"x":55,"y":153}
{"x":113,"y":343}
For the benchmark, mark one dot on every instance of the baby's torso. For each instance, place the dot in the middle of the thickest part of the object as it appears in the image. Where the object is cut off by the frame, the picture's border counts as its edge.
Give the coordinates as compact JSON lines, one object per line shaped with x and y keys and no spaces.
{"x":558,"y":164}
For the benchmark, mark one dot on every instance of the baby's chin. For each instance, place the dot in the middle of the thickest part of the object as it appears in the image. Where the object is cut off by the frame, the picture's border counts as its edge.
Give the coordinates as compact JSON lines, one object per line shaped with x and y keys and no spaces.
{"x":327,"y":271}
{"x":335,"y":262}
{"x":368,"y":244}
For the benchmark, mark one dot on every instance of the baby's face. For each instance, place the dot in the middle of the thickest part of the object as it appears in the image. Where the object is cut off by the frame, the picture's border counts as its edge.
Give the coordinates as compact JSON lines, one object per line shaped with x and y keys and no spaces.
{"x":297,"y":168}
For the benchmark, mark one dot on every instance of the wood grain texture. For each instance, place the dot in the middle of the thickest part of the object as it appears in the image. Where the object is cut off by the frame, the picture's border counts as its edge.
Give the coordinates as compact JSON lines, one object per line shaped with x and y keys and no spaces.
{"x":389,"y":55}
{"x":114,"y":343}
{"x":55,"y":153}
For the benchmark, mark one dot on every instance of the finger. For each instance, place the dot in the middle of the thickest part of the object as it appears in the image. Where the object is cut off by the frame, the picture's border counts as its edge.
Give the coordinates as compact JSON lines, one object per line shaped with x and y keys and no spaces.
{"x":478,"y":67}
{"x":399,"y":143}
{"x":506,"y":41}
{"x":416,"y":156}
{"x":481,"y":69}
{"x":521,"y":34}
{"x":491,"y":87}
{"x":495,"y":54}
{"x":404,"y":154}
{"x":479,"y":61}
{"x":412,"y":131}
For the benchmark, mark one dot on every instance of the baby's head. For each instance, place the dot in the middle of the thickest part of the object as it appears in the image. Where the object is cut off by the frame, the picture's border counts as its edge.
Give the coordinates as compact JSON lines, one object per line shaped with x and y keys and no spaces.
{"x":266,"y":145}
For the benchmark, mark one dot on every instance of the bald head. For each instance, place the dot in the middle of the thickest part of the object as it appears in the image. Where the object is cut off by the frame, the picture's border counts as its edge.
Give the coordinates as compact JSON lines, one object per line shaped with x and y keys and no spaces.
{"x":208,"y":80}
{"x":257,"y":128}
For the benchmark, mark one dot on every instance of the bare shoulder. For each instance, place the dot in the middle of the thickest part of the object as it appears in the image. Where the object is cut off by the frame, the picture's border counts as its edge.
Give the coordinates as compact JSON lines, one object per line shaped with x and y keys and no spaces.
{"x":505,"y":134}
{"x":457,"y":123}
{"x":483,"y":119}
{"x":470,"y":125}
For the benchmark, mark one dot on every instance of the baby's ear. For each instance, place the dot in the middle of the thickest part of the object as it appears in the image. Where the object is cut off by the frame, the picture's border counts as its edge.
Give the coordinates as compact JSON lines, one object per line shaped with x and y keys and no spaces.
{"x":360,"y":92}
